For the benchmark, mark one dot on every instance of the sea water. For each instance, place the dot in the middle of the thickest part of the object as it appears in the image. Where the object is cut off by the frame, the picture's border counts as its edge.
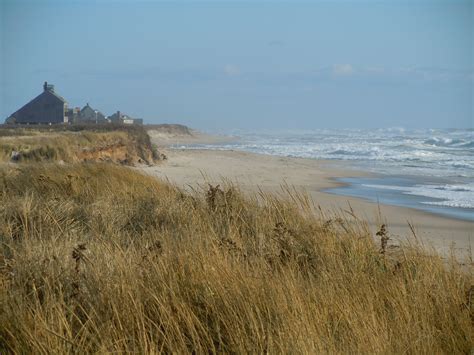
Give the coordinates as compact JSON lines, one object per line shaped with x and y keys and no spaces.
{"x":429,"y":169}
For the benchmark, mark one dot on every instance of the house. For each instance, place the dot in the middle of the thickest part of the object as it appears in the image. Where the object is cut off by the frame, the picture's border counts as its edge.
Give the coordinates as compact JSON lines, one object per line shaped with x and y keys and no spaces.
{"x":73,"y":114}
{"x":121,"y":118}
{"x":90,"y":115}
{"x":47,"y":108}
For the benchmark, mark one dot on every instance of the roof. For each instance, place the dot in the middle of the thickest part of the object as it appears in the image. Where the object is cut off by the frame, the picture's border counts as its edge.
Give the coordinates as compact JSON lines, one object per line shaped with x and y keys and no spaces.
{"x":39,"y":97}
{"x":116,"y":115}
{"x":89,"y":108}
{"x":88,"y":113}
{"x":58,"y":96}
{"x":47,"y":93}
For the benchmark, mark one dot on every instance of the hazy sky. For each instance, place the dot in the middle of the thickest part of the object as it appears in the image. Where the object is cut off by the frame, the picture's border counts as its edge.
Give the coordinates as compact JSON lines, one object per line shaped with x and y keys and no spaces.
{"x":246,"y":64}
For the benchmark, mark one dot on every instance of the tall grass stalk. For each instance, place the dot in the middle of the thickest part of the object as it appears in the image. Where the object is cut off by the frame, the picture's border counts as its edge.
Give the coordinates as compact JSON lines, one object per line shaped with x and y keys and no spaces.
{"x":100,"y":258}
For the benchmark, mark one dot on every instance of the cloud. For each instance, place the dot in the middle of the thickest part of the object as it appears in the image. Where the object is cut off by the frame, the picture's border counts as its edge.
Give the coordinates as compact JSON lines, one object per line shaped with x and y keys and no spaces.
{"x":342,"y":69}
{"x":231,"y":70}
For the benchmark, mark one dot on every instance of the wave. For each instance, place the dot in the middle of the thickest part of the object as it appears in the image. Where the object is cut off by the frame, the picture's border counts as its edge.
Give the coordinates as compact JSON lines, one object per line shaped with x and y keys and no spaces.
{"x":428,"y":155}
{"x":467,"y":145}
{"x":445,"y":153}
{"x":345,"y":152}
{"x":449,"y":142}
{"x":454,"y":204}
{"x":460,"y":196}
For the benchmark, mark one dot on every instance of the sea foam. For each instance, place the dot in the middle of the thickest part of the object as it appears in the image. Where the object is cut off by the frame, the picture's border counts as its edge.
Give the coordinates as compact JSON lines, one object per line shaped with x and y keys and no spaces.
{"x":434,"y":153}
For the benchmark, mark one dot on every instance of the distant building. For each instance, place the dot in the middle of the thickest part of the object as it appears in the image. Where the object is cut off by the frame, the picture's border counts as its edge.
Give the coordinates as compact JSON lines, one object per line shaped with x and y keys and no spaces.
{"x":73,"y":114}
{"x":90,"y":115}
{"x":47,"y":108}
{"x":50,"y":108}
{"x":121,"y":118}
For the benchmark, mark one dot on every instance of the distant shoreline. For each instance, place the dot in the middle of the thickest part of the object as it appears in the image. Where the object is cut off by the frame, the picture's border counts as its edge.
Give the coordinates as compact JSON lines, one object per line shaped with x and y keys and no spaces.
{"x":174,"y":139}
{"x":415,"y":182}
{"x":254,"y":172}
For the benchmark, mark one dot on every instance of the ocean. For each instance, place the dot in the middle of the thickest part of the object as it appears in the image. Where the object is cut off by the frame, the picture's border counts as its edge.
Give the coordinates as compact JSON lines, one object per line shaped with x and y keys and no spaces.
{"x":429,"y":169}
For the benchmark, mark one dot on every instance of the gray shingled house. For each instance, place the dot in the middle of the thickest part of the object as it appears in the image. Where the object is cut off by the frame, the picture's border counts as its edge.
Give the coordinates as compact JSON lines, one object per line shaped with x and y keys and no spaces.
{"x":121,"y":118}
{"x":47,"y":108}
{"x":90,"y":115}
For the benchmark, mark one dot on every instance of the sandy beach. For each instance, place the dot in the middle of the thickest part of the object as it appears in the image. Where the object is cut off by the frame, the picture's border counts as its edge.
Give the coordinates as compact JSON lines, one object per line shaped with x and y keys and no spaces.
{"x":252,"y":172}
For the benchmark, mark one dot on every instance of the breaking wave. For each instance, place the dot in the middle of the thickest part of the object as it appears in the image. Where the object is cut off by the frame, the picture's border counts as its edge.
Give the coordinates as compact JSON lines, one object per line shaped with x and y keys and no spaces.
{"x":448,"y":142}
{"x":421,"y":152}
{"x":460,"y":196}
{"x":442,"y":154}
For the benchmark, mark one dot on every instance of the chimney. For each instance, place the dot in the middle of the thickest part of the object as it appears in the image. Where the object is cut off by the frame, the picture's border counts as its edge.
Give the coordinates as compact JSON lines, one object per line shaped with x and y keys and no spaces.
{"x":48,"y":87}
{"x":118,"y":114}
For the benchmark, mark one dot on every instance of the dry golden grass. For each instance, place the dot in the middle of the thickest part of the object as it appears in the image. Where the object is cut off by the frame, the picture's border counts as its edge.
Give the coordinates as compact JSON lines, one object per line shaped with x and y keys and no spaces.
{"x":99,"y":258}
{"x":125,"y":145}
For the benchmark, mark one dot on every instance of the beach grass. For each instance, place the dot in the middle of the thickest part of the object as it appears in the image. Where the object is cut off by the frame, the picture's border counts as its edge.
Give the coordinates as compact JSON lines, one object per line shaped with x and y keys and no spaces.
{"x":119,"y":144}
{"x":100,"y":258}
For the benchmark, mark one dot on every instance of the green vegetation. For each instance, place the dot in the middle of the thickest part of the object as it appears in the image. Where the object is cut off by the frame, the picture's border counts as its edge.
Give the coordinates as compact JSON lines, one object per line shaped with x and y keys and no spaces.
{"x":100,"y":258}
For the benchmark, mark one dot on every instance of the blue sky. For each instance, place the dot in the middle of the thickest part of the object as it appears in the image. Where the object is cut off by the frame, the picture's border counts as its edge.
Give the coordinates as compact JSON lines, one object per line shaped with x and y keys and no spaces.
{"x":246,"y":64}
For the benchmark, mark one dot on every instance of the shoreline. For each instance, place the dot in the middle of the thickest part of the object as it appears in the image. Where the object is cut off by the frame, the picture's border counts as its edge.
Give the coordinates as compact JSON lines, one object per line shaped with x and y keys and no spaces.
{"x":252,"y":172}
{"x":356,"y":188}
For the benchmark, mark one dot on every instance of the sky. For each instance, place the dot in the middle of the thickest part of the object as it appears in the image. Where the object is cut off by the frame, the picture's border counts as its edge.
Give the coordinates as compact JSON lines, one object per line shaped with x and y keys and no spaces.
{"x":246,"y":64}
